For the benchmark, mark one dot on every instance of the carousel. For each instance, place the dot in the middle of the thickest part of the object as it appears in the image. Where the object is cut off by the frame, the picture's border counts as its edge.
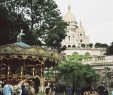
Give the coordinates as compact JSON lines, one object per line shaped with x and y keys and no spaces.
{"x":19,"y":61}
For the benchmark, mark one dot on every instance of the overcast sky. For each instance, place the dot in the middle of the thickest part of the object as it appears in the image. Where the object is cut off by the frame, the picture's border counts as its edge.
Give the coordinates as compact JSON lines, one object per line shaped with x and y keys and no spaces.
{"x":96,"y":16}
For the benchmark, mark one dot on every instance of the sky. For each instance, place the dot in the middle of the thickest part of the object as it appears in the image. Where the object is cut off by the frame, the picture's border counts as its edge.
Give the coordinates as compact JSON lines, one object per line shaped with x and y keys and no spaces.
{"x":96,"y":16}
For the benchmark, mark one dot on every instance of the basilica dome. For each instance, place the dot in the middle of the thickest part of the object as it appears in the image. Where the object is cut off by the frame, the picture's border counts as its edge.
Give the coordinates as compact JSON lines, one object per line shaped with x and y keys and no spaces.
{"x":69,"y":17}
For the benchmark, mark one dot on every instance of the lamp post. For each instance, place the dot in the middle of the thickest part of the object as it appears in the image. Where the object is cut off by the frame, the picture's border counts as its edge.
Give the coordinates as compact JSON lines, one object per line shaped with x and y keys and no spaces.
{"x":42,"y":79}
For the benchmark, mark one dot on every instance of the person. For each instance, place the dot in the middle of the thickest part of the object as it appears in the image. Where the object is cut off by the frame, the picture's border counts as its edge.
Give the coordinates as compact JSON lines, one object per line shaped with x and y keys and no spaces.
{"x":69,"y":90}
{"x":111,"y":92}
{"x":24,"y":90}
{"x":78,"y":91}
{"x":19,"y":91}
{"x":105,"y":91}
{"x":101,"y":89}
{"x":0,"y":87}
{"x":53,"y":89}
{"x":7,"y":89}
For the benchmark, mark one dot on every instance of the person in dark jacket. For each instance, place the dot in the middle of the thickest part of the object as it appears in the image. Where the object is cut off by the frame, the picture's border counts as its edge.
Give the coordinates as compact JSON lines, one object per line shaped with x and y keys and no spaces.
{"x":78,"y":91}
{"x":69,"y":90}
{"x":24,"y":90}
{"x":105,"y":91}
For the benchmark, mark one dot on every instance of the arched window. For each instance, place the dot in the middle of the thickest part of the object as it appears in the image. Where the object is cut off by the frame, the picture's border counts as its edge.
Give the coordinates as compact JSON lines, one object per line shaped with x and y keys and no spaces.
{"x":81,"y":40}
{"x":80,"y":34}
{"x":73,"y":46}
{"x":69,"y":46}
{"x":64,"y":45}
{"x":69,"y":38}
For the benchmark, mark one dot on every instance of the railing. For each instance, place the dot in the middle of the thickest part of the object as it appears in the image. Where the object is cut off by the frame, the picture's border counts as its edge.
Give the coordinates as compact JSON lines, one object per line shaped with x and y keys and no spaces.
{"x":98,"y":60}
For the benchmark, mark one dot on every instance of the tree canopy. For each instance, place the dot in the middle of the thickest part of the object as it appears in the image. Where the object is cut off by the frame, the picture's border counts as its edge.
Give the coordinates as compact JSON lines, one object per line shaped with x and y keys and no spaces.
{"x":40,"y":20}
{"x":9,"y":25}
{"x":109,"y":50}
{"x":100,"y":45}
{"x":77,"y":74}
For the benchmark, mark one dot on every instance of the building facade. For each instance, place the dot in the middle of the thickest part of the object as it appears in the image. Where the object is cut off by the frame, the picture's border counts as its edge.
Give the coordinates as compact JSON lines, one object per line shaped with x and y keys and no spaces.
{"x":76,"y":33}
{"x":76,"y":37}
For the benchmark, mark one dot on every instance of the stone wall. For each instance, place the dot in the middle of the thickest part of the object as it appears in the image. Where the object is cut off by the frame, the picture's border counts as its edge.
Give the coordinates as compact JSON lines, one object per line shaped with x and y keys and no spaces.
{"x":82,"y":51}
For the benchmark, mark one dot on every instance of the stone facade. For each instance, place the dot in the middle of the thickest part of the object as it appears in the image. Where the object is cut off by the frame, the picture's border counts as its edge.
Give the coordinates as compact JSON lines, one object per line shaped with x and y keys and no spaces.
{"x":76,"y":33}
{"x":76,"y":36}
{"x":83,"y":51}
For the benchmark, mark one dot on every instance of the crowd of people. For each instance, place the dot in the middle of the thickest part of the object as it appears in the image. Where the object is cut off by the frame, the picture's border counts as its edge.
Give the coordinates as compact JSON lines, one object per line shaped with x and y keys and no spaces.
{"x":8,"y":89}
{"x":24,"y":89}
{"x":50,"y":89}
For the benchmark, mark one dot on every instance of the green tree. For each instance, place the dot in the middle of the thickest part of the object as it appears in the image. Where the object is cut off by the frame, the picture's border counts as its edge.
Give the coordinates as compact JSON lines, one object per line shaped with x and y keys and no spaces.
{"x":104,"y":45}
{"x":83,"y":45}
{"x":90,"y":45}
{"x":45,"y":22}
{"x":77,"y":74}
{"x":46,"y":26}
{"x":74,"y":57}
{"x":98,"y":45}
{"x":109,"y":50}
{"x":10,"y":24}
{"x":15,"y":17}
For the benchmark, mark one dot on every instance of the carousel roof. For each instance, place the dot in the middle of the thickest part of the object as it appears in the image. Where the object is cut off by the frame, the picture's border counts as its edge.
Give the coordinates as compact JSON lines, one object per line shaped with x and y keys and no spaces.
{"x":22,"y":44}
{"x":23,"y":49}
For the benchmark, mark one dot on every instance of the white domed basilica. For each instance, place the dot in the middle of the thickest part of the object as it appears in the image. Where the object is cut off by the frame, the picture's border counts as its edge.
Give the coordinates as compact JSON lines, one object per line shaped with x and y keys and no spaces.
{"x":76,"y":34}
{"x":76,"y":37}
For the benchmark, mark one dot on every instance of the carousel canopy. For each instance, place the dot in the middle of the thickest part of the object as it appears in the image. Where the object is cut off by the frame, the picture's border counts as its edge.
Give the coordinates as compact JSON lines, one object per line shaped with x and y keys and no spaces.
{"x":23,"y":49}
{"x":22,"y":44}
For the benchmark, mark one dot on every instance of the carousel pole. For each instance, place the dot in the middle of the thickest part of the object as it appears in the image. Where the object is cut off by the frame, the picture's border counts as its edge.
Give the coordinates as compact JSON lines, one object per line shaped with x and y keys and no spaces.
{"x":33,"y":71}
{"x":42,"y":77}
{"x":21,"y":70}
{"x":24,"y":65}
{"x":8,"y":70}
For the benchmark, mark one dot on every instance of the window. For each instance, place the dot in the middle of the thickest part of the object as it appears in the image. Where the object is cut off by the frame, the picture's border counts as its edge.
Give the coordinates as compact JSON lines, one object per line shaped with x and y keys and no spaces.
{"x":69,"y":46}
{"x":69,"y":38}
{"x":73,"y":46}
{"x":81,"y":40}
{"x":80,"y":34}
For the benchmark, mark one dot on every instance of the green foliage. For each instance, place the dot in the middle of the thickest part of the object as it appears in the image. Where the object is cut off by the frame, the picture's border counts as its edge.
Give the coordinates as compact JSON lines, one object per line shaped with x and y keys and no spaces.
{"x":90,"y":45}
{"x":77,"y":74}
{"x":76,"y":57}
{"x":109,"y":50}
{"x":83,"y":45}
{"x":97,"y":45}
{"x":87,"y":54}
{"x":100,"y":45}
{"x":10,"y":24}
{"x":39,"y":19}
{"x":104,"y":45}
{"x":45,"y":22}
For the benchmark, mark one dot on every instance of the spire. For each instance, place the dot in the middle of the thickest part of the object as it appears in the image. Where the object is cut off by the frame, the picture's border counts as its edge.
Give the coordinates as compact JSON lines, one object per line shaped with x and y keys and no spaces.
{"x":69,"y":17}
{"x":69,"y":7}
